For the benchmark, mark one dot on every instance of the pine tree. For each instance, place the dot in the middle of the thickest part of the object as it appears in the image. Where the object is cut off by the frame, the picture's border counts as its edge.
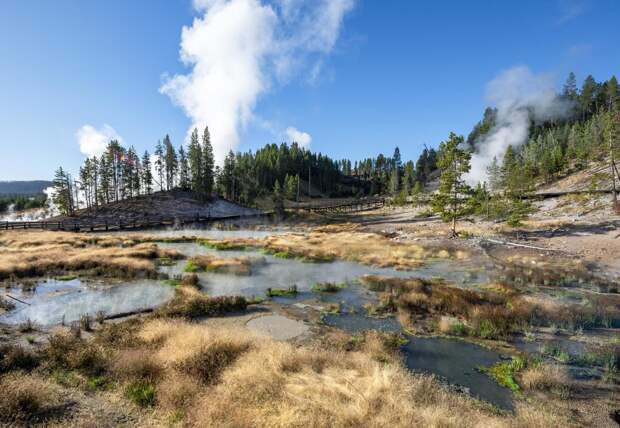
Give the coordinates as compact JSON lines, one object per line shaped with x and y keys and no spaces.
{"x":395,"y":181}
{"x":171,"y":163}
{"x":612,"y":94}
{"x":183,"y":170}
{"x":453,"y":162}
{"x":160,"y":168}
{"x":570,"y":87}
{"x":63,"y":192}
{"x":494,"y":172}
{"x":194,"y":155}
{"x":208,"y":163}
{"x":147,"y":174}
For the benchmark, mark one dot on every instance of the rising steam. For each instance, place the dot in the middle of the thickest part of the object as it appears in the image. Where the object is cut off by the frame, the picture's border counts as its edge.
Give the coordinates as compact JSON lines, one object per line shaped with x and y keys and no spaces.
{"x":237,"y":48}
{"x":520,"y":97}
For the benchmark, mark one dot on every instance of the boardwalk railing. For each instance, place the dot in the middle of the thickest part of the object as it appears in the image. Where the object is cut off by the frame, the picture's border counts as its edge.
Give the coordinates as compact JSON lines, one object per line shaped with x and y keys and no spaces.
{"x":343,"y":207}
{"x":101,"y":225}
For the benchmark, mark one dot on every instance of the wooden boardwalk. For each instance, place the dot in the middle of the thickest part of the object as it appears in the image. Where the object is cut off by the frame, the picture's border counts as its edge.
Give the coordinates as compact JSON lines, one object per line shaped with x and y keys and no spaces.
{"x":98,"y":225}
{"x":342,"y":207}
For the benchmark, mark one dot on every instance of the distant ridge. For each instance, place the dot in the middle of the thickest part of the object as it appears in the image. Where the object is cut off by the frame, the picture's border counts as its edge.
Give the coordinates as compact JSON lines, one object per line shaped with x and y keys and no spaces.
{"x":23,"y":187}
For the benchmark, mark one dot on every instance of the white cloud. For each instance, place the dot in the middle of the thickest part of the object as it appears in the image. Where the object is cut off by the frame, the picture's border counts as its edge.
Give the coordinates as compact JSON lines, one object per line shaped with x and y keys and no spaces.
{"x":237,"y":49}
{"x":93,"y":141}
{"x":296,"y":136}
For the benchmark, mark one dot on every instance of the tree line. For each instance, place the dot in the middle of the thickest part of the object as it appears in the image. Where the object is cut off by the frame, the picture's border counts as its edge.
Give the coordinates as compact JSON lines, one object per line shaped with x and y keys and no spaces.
{"x":283,"y":171}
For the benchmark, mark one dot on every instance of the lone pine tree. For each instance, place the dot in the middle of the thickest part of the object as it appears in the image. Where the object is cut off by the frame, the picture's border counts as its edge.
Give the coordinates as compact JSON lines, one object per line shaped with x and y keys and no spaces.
{"x":453,"y":161}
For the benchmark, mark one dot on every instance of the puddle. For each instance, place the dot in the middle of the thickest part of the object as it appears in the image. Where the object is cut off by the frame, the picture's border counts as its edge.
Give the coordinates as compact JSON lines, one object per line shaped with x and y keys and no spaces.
{"x":284,"y":273}
{"x":54,"y":301}
{"x":456,"y":361}
{"x":277,"y":327}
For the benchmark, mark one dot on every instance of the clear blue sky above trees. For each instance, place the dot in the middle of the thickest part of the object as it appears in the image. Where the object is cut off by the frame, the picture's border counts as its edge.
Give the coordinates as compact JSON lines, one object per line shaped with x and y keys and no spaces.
{"x":402,"y":73}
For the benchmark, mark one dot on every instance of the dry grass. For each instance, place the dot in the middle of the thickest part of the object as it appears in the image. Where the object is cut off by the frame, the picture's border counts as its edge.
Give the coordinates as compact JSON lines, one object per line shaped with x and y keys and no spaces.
{"x":236,"y":265}
{"x":191,"y":303}
{"x":29,"y":254}
{"x":491,"y":313}
{"x":548,"y":378}
{"x":26,"y":398}
{"x":344,"y":242}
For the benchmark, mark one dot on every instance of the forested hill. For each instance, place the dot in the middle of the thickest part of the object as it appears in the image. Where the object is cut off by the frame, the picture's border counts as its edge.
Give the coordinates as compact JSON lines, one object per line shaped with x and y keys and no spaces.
{"x":23,"y":187}
{"x":586,"y":133}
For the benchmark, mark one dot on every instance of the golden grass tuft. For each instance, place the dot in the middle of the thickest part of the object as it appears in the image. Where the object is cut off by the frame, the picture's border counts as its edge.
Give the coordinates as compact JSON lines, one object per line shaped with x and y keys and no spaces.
{"x":31,"y":254}
{"x":25,"y":397}
{"x":547,"y":377}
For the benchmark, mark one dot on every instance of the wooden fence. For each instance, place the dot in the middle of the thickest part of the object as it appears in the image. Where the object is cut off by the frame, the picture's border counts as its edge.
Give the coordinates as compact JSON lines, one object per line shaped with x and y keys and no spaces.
{"x":343,"y":207}
{"x":99,"y":225}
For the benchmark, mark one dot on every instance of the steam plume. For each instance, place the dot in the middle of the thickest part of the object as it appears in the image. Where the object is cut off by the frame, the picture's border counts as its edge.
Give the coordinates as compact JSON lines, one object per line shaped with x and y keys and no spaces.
{"x":236,"y":50}
{"x":520,"y":97}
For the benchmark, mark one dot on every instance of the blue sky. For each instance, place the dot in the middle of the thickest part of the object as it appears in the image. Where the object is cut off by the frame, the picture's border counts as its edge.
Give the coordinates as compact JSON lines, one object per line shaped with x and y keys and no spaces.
{"x":400,"y":73}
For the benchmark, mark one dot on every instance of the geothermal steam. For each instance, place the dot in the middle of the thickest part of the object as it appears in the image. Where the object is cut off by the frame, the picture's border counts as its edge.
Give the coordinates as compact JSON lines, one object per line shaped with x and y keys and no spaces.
{"x":236,"y":48}
{"x":520,"y":97}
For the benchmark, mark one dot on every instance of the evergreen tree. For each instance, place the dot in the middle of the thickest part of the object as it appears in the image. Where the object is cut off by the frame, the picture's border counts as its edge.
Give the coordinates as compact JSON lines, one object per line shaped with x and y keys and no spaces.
{"x":208,"y":163}
{"x":494,"y":172}
{"x":184,"y":181}
{"x":570,"y":87}
{"x":147,"y":174}
{"x":160,"y":165}
{"x":453,"y":162}
{"x":171,"y":163}
{"x":63,"y":192}
{"x":194,"y":155}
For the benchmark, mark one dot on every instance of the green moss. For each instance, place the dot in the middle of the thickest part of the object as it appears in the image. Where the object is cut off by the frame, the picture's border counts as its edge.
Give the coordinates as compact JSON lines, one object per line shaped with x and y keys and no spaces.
{"x":315,"y":259}
{"x":504,"y":373}
{"x":141,"y":394}
{"x":282,"y":292}
{"x":328,"y":287}
{"x":191,"y":267}
{"x":66,"y":277}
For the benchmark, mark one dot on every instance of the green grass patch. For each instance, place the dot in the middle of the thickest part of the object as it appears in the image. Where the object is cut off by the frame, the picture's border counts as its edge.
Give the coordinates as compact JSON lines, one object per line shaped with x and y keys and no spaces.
{"x":504,"y":373}
{"x":68,"y":378}
{"x":191,"y":267}
{"x":283,"y":255}
{"x":30,"y":339}
{"x":328,"y":287}
{"x":282,"y":292}
{"x":172,"y":282}
{"x":66,"y":277}
{"x":554,"y":350}
{"x":141,"y":394}
{"x":96,"y":383}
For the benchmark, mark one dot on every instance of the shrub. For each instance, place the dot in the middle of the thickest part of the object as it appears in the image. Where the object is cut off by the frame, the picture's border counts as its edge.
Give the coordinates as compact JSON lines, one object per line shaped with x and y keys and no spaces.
{"x":328,"y":287}
{"x":209,"y":362}
{"x":24,"y":397}
{"x":14,"y":357}
{"x":190,"y":280}
{"x":27,"y":326}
